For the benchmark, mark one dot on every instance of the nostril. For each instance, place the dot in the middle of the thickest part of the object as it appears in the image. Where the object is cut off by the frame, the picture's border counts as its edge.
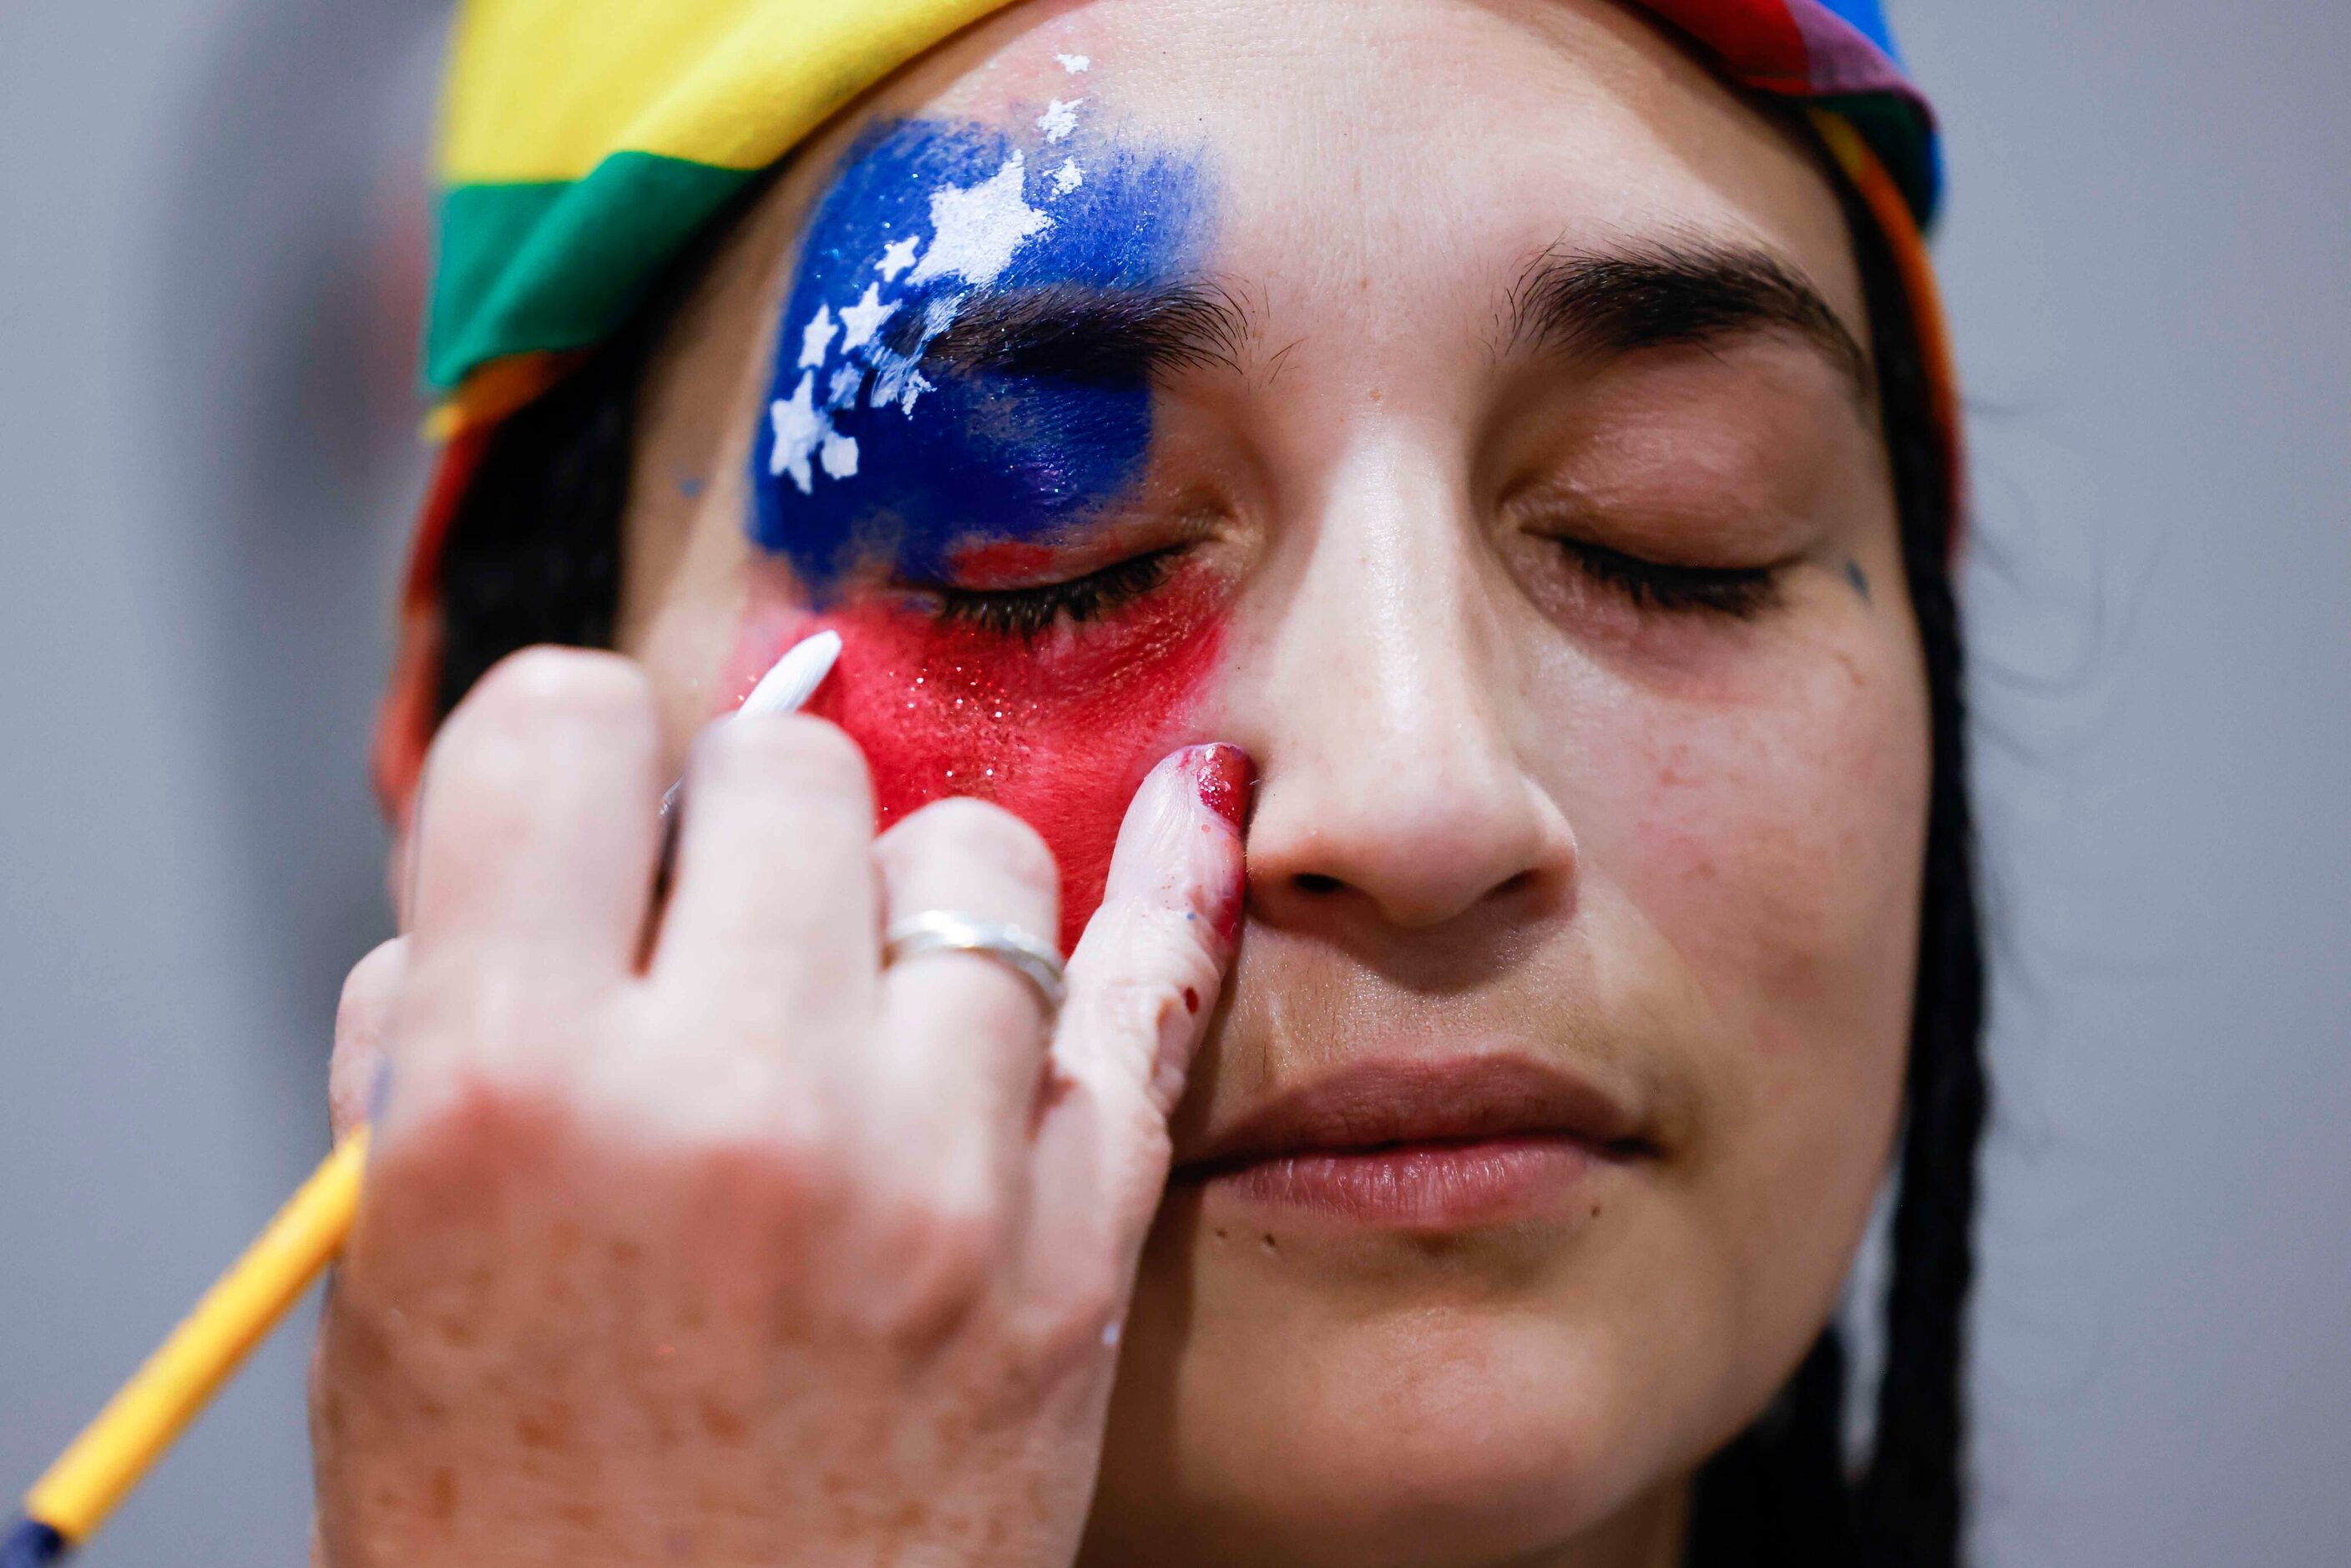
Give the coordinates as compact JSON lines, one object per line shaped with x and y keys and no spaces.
{"x":1314,"y":882}
{"x":1523,"y":883}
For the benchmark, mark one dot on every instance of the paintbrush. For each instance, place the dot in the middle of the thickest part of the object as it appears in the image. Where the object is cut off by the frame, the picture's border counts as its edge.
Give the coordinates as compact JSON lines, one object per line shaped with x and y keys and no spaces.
{"x":70,"y":1502}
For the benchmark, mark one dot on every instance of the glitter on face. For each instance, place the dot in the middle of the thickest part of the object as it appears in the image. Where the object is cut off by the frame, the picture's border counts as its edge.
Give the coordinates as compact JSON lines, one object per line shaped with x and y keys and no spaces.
{"x":1060,"y":734}
{"x":872,"y":458}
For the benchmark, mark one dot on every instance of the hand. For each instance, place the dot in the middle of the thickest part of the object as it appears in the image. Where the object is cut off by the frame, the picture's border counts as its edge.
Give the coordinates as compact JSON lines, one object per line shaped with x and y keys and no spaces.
{"x":729,"y":1246}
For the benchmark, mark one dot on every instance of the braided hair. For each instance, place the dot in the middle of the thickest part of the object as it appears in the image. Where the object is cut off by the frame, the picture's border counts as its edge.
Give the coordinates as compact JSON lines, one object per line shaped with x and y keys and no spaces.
{"x":1781,"y":1491}
{"x":535,"y":556}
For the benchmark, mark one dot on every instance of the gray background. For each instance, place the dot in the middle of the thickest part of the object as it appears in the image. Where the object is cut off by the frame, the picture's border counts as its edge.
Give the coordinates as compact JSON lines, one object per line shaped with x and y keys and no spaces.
{"x":211,"y":243}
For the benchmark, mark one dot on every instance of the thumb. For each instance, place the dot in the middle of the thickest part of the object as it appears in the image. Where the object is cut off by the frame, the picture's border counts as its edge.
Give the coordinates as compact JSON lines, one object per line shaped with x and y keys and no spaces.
{"x":1142,"y":986}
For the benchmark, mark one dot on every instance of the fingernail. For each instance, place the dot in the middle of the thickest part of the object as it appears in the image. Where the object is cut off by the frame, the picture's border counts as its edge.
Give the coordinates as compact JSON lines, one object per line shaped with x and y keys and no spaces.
{"x":1227,"y":780}
{"x":1180,"y":846}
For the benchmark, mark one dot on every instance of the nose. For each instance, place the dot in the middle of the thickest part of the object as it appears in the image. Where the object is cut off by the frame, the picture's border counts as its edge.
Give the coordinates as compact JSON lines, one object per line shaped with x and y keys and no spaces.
{"x":1392,"y":787}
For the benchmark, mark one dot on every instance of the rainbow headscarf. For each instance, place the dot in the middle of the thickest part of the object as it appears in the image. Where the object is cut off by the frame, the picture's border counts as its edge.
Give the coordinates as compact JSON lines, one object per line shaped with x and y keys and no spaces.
{"x":586,"y":142}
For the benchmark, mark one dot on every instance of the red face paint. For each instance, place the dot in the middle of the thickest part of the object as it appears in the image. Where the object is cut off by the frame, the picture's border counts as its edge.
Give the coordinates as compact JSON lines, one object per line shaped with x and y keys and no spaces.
{"x":1058,"y":731}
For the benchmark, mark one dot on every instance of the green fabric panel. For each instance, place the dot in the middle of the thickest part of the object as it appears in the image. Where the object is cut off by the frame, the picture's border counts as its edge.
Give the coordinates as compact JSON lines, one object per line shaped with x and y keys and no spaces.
{"x":559,"y":264}
{"x":1902,"y":140}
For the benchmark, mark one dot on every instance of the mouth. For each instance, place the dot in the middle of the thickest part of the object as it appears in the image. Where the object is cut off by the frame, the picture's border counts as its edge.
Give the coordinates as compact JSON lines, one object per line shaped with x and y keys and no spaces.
{"x":1422,"y":1146}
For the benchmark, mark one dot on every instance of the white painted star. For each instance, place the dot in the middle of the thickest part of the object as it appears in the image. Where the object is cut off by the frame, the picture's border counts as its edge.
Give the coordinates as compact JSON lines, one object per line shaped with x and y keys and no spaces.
{"x":897,"y":257}
{"x":895,"y":377}
{"x":839,"y":454}
{"x":860,"y":321}
{"x":1060,"y":119}
{"x":1073,"y":64}
{"x":816,"y":338}
{"x":897,"y":380}
{"x":797,"y":427}
{"x":1068,"y":177}
{"x":939,"y":313}
{"x":975,"y":229}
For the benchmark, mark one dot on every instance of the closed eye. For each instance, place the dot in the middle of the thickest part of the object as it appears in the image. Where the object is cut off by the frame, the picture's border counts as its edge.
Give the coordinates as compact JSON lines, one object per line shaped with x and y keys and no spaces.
{"x":1028,"y":613}
{"x":1739,"y":591}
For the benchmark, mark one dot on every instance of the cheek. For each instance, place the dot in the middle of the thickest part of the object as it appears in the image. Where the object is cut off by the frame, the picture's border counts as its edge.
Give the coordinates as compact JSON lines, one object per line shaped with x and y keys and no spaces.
{"x":1059,"y":732}
{"x":1770,"y":842}
{"x":1777,"y":842}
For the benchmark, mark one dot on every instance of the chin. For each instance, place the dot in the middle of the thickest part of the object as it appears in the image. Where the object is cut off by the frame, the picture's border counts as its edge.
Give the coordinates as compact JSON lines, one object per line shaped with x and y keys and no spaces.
{"x":1267,"y":1412}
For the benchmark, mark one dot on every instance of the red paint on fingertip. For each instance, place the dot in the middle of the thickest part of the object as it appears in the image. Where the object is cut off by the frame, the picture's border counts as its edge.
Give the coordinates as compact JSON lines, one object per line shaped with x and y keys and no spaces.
{"x":1225,"y":919}
{"x":1226,"y":778}
{"x":1191,"y":999}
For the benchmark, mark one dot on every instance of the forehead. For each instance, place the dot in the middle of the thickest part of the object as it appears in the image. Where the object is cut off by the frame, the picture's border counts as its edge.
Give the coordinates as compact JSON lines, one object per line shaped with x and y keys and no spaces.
{"x":1373,"y":151}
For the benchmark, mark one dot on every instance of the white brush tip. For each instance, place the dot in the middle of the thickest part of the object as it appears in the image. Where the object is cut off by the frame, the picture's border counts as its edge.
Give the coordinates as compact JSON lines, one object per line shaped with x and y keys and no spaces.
{"x":794,"y":677}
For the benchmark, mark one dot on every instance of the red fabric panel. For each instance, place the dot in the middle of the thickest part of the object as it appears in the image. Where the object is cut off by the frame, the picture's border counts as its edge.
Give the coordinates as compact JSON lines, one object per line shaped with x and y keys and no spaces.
{"x":1754,"y":40}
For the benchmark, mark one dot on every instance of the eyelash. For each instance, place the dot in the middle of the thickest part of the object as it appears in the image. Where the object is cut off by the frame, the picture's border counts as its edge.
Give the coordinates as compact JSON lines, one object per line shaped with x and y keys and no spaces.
{"x":1028,"y":613}
{"x":1741,"y":592}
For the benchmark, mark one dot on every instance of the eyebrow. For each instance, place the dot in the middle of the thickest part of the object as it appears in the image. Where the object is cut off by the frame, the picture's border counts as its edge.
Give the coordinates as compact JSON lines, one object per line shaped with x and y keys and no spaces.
{"x":1076,"y":332}
{"x":1670,"y":293}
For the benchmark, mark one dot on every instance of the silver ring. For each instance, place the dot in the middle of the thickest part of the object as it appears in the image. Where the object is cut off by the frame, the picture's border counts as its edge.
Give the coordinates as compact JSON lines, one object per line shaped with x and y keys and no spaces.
{"x":948,"y":931}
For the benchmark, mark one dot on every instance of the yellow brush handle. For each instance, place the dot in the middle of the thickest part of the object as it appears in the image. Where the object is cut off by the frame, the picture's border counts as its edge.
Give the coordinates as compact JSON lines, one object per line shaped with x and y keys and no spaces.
{"x":140,"y":1422}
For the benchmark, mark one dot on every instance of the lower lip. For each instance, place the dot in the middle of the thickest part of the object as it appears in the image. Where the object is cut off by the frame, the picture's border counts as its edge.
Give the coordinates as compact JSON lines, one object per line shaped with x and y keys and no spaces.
{"x":1420,"y":1187}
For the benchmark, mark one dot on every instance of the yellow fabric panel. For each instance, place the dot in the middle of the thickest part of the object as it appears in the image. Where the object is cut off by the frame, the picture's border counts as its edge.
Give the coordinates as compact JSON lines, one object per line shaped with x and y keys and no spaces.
{"x":542,"y":89}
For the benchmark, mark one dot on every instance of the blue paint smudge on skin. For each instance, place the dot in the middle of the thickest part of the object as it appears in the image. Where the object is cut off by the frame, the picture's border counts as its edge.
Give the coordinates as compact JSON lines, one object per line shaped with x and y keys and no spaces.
{"x":867,"y":454}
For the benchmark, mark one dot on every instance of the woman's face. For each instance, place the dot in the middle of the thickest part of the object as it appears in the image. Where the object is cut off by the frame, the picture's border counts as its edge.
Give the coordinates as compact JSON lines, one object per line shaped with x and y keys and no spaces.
{"x":1466,"y":409}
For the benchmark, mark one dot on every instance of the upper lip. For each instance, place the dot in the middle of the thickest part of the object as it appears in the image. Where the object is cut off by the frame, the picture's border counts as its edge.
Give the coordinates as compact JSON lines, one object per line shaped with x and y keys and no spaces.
{"x":1373,"y":1105}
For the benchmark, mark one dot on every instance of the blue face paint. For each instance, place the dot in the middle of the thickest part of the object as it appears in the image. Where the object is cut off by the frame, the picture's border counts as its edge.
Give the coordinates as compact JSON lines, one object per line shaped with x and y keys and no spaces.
{"x":868,"y":452}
